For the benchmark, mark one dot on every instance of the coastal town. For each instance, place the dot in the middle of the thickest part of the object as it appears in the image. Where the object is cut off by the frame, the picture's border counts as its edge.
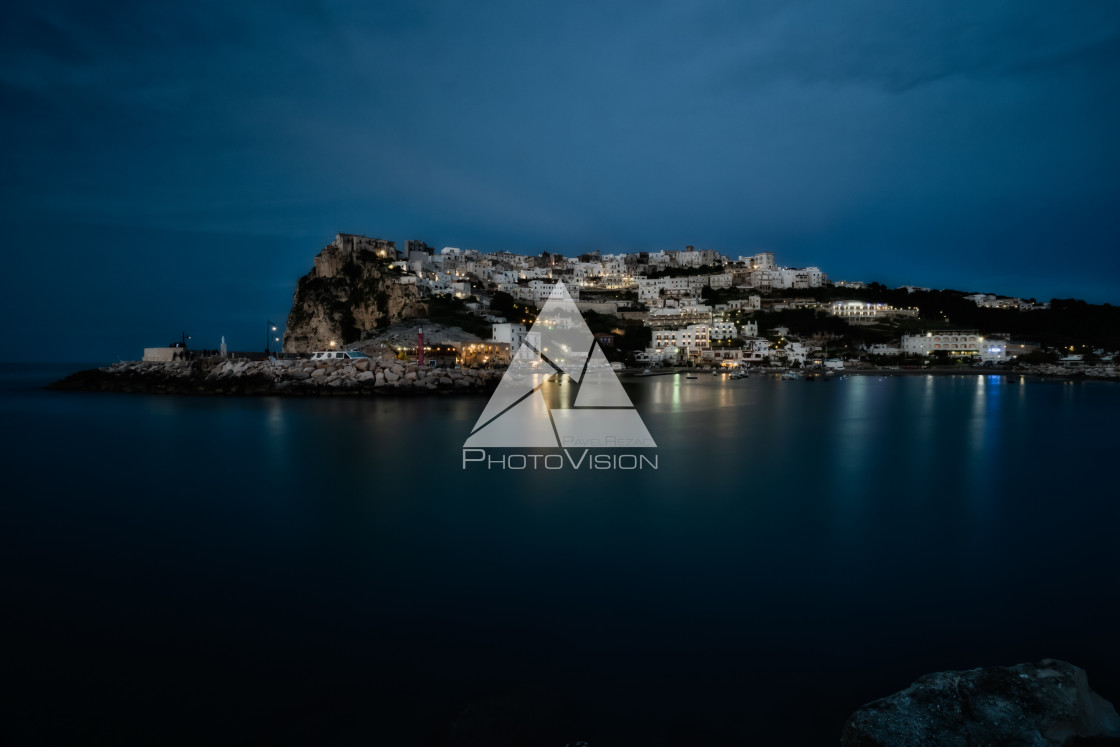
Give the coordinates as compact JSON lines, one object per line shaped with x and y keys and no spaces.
{"x":369,"y":317}
{"x":685,"y":308}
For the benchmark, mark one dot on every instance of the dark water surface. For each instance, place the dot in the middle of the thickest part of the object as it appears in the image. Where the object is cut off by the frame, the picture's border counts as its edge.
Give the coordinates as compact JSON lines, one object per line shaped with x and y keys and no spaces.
{"x":280,"y":571}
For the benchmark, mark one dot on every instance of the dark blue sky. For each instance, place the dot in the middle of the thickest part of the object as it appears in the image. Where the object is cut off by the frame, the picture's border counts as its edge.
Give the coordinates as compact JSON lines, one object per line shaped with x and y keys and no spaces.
{"x":176,"y":166}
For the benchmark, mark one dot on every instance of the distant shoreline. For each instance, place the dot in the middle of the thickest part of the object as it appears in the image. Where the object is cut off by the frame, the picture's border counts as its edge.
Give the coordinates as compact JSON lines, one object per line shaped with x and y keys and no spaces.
{"x":1099,"y":373}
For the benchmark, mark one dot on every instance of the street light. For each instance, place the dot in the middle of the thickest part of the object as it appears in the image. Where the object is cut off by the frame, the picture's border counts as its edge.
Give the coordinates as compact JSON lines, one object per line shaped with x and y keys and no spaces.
{"x":269,"y":328}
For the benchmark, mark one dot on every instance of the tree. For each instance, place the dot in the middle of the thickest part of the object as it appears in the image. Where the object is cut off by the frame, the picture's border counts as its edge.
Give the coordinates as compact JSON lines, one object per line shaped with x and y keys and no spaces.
{"x":502,"y":303}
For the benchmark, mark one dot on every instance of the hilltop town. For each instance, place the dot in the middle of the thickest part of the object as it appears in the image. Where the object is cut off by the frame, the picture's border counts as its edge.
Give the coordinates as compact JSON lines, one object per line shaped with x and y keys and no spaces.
{"x":691,"y":307}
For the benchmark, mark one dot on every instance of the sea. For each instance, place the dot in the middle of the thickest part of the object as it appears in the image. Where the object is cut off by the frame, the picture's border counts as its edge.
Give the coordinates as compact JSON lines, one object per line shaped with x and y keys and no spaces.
{"x":323,"y":571}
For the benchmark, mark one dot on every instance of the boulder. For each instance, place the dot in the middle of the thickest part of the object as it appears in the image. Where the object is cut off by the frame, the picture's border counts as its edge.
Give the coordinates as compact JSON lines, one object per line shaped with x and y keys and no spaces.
{"x":391,"y":375}
{"x":379,"y":379}
{"x":365,"y":376}
{"x":1033,"y":705}
{"x":319,"y":372}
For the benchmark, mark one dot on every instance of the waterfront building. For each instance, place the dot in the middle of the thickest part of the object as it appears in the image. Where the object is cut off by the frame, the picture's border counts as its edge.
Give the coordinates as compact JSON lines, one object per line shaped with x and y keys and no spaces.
{"x":687,"y":342}
{"x":956,"y":342}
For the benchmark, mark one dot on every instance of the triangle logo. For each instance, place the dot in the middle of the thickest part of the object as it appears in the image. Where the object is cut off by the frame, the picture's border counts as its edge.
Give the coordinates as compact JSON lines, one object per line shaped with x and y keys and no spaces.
{"x":559,"y":344}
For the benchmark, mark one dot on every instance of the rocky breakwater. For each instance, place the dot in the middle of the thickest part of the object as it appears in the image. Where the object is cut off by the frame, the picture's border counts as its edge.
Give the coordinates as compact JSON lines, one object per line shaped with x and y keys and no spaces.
{"x":284,"y":377}
{"x":1079,"y":372}
{"x":1048,"y":704}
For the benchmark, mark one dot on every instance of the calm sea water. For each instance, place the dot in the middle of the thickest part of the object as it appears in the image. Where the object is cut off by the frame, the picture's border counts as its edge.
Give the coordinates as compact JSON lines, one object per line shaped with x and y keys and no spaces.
{"x":279,"y":571}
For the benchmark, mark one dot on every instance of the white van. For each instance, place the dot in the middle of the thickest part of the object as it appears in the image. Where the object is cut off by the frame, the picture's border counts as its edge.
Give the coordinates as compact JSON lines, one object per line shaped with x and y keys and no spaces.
{"x":324,"y":355}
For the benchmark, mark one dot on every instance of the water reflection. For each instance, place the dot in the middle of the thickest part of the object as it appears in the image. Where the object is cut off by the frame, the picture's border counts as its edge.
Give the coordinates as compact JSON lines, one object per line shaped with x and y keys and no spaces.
{"x":790,"y":528}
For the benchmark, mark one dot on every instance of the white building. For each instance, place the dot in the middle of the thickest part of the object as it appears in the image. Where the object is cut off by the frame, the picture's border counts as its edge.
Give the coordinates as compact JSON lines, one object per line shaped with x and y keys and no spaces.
{"x":957,"y":342}
{"x":691,"y":340}
{"x":760,"y":261}
{"x":724,"y":330}
{"x":509,"y":333}
{"x":860,"y":312}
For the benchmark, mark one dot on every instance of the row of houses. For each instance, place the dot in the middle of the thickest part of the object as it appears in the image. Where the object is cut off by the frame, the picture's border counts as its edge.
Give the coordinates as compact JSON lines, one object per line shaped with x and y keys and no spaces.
{"x":458,"y":272}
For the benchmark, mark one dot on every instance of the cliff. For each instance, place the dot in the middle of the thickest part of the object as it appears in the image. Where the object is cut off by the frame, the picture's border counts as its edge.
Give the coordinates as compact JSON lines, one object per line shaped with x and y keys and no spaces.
{"x":351,"y":290}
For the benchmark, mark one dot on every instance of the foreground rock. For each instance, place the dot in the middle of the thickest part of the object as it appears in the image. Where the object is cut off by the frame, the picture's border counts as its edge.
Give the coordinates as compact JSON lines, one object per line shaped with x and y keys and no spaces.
{"x":288,"y":377}
{"x":1028,"y":705}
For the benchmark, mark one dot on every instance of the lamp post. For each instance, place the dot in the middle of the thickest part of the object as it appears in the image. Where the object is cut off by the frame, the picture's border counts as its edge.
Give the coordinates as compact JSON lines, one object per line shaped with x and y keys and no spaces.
{"x":269,"y":328}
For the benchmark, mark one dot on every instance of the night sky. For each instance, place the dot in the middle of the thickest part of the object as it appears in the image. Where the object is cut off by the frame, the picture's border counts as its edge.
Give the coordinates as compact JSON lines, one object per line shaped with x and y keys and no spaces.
{"x":173,"y":167}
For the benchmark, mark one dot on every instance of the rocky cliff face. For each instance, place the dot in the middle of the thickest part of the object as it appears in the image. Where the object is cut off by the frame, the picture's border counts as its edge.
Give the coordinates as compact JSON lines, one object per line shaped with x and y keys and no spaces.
{"x":351,"y":290}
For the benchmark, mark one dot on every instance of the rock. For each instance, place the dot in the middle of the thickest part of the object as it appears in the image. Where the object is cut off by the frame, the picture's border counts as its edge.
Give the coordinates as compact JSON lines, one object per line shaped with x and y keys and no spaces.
{"x":445,"y":381}
{"x":411,"y":376}
{"x":1033,"y":705}
{"x":379,"y":379}
{"x":391,"y":376}
{"x":462,"y":383}
{"x":365,"y":376}
{"x":350,"y":278}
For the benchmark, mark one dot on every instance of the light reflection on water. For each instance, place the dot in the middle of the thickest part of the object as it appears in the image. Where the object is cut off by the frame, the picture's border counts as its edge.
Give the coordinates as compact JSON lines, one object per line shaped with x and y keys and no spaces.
{"x":857,"y":532}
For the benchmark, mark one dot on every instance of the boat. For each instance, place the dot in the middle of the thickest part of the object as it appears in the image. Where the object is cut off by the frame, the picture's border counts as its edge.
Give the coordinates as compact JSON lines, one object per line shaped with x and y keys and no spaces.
{"x":690,"y":376}
{"x":790,"y":376}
